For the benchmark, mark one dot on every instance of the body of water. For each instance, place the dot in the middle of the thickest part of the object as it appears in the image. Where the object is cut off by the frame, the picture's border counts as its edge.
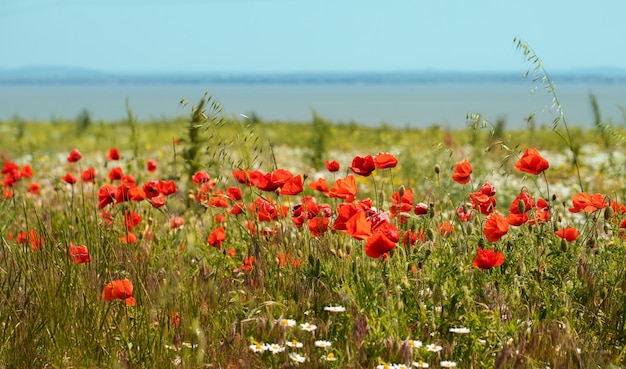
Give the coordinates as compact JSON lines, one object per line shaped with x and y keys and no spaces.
{"x":400,"y":105}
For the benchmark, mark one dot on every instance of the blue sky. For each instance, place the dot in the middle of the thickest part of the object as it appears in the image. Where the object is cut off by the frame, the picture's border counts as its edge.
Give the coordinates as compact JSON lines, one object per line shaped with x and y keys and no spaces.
{"x":301,"y":35}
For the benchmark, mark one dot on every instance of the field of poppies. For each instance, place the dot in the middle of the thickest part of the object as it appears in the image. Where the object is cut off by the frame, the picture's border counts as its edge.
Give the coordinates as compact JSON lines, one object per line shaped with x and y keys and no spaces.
{"x":213,"y":249}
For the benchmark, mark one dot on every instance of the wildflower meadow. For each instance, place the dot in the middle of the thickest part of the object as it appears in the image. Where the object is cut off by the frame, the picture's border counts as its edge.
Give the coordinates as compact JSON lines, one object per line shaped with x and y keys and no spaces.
{"x":214,"y":247}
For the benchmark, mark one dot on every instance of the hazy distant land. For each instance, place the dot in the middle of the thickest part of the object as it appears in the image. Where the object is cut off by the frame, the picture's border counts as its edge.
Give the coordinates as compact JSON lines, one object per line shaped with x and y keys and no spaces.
{"x":69,"y":75}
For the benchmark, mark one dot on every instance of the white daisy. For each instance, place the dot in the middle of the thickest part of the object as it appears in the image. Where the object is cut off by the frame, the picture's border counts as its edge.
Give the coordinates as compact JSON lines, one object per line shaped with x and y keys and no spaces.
{"x":460,"y":330}
{"x":414,"y":343}
{"x":447,"y":364}
{"x":275,"y":348}
{"x":433,"y":347}
{"x":294,"y":344}
{"x":297,"y":357}
{"x":323,"y":344}
{"x":308,"y":327}
{"x":285,"y":322}
{"x":335,"y":309}
{"x":258,"y":347}
{"x":420,"y":364}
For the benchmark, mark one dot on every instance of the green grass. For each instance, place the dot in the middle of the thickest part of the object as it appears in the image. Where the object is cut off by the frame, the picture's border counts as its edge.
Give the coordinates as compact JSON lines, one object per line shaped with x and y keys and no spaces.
{"x":552,"y":303}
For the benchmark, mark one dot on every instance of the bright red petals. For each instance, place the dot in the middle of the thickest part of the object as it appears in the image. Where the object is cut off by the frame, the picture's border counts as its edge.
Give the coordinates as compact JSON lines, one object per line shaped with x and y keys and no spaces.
{"x":532,"y":162}
{"x":462,"y":172}
{"x":487,"y":259}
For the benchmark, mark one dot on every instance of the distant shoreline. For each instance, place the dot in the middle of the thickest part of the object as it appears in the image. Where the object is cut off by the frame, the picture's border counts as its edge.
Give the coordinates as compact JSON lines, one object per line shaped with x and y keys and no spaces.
{"x":82,"y":77}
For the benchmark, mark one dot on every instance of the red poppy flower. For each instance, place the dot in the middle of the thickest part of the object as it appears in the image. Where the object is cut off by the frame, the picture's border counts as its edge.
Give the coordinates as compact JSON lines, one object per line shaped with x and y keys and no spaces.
{"x":332,"y":166}
{"x":175,"y":319}
{"x":385,"y":160}
{"x":462,"y":172}
{"x":242,"y":176}
{"x":151,"y":165}
{"x":234,"y":193}
{"x":106,"y":195}
{"x":113,"y":154}
{"x":263,"y":181}
{"x":363,"y":165}
{"x":265,"y":209}
{"x":107,"y":218}
{"x":79,"y":254}
{"x":483,"y":203}
{"x":176,"y":222}
{"x":401,"y":204}
{"x":10,"y":179}
{"x":68,"y":178}
{"x":116,"y":173}
{"x":217,"y":237}
{"x":487,"y":259}
{"x":522,"y":203}
{"x":358,"y":227}
{"x":220,"y":218}
{"x":345,"y":211}
{"x":445,"y":229}
{"x":619,"y":209}
{"x":88,"y":175}
{"x":495,"y":227}
{"x":382,"y":241}
{"x":237,"y":209}
{"x":248,"y":264}
{"x":568,"y":234}
{"x":200,"y":177}
{"x":26,"y":171}
{"x":158,"y":200}
{"x":532,"y":162}
{"x":167,"y":187}
{"x":588,"y":203}
{"x":129,"y":238}
{"x":320,"y":185}
{"x":318,"y":225}
{"x":517,"y":219}
{"x":74,"y":156}
{"x":542,"y":213}
{"x":420,"y":208}
{"x":31,"y":236}
{"x":344,"y":188}
{"x":131,"y":220}
{"x":280,"y":176}
{"x":33,"y":187}
{"x":464,"y":216}
{"x":292,"y":186}
{"x":219,"y":200}
{"x":410,"y":238}
{"x":119,"y":290}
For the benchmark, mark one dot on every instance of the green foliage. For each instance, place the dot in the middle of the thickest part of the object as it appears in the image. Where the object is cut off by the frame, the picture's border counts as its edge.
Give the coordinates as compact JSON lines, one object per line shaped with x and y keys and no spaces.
{"x":83,"y":121}
{"x":552,"y":303}
{"x":321,"y":133}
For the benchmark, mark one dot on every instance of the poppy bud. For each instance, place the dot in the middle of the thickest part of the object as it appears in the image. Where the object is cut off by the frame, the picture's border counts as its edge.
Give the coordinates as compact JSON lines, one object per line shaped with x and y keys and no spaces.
{"x":401,"y":190}
{"x":470,"y":229}
{"x":521,"y":207}
{"x":481,"y":243}
{"x":437,"y":168}
{"x":563,"y":245}
{"x":608,"y":212}
{"x":553,"y":197}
